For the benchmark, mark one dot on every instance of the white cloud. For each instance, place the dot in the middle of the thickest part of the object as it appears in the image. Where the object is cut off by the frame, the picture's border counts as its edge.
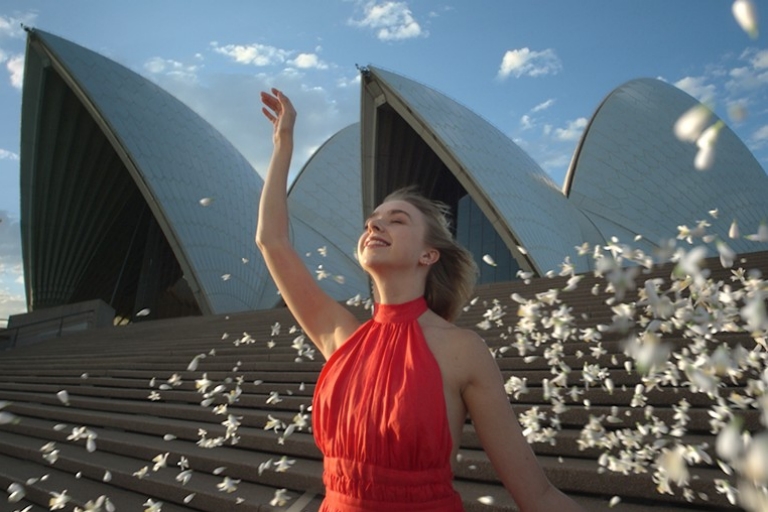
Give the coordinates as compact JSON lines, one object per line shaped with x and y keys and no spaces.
{"x":12,"y":299}
{"x":15,"y":66}
{"x":10,"y":304}
{"x":525,"y":122}
{"x":256,"y":54}
{"x":750,"y":77}
{"x":760,"y":136}
{"x":8,"y":155}
{"x":556,"y":163}
{"x":230,"y":102}
{"x":393,"y":21}
{"x":543,"y":106}
{"x":524,"y":61}
{"x":572,"y":131}
{"x":759,"y":59}
{"x":10,"y":26}
{"x":697,"y":87}
{"x":344,"y":82}
{"x":308,"y":61}
{"x":172,"y":68}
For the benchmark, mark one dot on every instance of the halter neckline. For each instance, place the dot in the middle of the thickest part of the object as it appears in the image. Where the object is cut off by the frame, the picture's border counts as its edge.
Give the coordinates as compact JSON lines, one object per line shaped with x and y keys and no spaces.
{"x":396,"y":313}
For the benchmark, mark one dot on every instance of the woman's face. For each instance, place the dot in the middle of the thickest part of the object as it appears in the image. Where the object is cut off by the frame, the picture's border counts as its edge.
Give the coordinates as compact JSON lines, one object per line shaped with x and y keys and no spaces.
{"x":393,"y":236}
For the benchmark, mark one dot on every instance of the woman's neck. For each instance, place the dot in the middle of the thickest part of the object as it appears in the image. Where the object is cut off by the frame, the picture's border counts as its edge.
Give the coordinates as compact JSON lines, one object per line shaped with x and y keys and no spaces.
{"x":397,"y":289}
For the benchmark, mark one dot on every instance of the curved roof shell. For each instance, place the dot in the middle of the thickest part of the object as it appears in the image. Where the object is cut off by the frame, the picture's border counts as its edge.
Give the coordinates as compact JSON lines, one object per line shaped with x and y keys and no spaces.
{"x":325,"y":201}
{"x":174,"y":159}
{"x":631,"y":175}
{"x":524,"y":204}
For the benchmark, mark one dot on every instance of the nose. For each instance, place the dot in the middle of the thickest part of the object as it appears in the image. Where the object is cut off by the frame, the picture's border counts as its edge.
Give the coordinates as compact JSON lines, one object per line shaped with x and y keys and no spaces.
{"x":374,"y":225}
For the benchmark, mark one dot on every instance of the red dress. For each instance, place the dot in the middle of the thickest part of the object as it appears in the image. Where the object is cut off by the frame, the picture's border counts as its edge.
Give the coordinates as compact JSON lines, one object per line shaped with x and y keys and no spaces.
{"x":379,"y":418}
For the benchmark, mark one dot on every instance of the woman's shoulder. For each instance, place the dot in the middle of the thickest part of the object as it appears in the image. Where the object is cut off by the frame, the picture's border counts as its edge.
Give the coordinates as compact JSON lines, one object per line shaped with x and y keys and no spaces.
{"x":453,"y":337}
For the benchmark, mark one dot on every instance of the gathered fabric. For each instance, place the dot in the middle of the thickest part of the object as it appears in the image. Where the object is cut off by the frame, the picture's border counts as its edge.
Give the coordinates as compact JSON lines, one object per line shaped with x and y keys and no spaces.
{"x":380,"y":420}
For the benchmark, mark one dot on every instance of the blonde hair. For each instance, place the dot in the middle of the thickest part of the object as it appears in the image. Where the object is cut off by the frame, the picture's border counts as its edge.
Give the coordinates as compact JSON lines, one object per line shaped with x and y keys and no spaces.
{"x":451,"y":280}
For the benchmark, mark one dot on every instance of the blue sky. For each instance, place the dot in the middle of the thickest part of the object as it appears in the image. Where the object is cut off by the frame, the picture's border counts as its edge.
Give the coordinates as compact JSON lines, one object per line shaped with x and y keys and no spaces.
{"x":535,"y":70}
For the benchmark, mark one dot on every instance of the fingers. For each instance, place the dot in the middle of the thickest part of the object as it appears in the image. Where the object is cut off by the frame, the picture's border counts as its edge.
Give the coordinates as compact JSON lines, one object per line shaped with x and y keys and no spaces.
{"x":276,"y":105}
{"x":268,"y":114}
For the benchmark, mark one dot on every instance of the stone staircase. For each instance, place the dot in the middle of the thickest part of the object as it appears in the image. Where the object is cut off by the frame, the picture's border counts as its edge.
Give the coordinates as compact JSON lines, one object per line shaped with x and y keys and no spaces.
{"x":131,"y":398}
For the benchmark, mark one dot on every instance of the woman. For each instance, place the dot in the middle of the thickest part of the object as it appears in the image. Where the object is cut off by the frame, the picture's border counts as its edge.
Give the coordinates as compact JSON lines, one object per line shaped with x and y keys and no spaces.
{"x":391,"y":401}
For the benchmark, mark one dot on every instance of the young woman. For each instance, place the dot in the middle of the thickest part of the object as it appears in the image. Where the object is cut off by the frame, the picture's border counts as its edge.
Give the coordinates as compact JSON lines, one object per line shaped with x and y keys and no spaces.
{"x":391,"y":401}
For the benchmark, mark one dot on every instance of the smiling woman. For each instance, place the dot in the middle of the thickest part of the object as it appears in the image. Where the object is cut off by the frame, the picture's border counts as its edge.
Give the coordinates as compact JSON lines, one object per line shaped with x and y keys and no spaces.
{"x":391,"y":401}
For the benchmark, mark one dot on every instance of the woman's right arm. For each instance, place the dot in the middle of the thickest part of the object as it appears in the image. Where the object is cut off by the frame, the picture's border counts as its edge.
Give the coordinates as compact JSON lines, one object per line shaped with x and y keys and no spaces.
{"x":326,"y":322}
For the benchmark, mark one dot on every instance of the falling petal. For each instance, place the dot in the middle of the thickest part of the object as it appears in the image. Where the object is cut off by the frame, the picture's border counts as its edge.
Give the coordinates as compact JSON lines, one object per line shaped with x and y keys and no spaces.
{"x":761,"y":235}
{"x":58,"y":500}
{"x":614,"y":501}
{"x":169,"y":437}
{"x":63,"y":396}
{"x":745,"y":13}
{"x":737,"y":113}
{"x":486,"y":500}
{"x":228,"y":485}
{"x":6,"y":418}
{"x":522,"y":249}
{"x":691,"y":124}
{"x":107,"y":476}
{"x":280,"y":498}
{"x":729,"y":444}
{"x":705,"y":157}
{"x":226,"y":277}
{"x":733,"y":232}
{"x":194,"y":362}
{"x":206,"y":201}
{"x":189,"y":497}
{"x":489,"y":260}
{"x":15,"y":492}
{"x":219,"y":470}
{"x":153,"y":506}
{"x":727,"y":255}
{"x":143,"y":312}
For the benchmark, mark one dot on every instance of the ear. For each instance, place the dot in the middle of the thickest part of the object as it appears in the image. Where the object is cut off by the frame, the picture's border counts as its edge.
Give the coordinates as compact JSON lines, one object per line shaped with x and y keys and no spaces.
{"x":429,"y":257}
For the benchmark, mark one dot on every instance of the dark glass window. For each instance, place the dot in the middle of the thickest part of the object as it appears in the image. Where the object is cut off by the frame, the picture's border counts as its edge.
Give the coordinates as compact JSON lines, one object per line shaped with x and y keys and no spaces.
{"x":475,"y":232}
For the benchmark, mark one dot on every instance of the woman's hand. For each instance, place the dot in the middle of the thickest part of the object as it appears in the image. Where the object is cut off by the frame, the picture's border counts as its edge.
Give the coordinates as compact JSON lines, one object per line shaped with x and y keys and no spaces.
{"x":280,"y":112}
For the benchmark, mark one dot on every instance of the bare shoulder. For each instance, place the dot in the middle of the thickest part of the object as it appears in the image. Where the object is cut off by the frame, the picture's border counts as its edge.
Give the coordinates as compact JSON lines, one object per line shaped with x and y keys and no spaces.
{"x":465,"y":351}
{"x":457,"y":338}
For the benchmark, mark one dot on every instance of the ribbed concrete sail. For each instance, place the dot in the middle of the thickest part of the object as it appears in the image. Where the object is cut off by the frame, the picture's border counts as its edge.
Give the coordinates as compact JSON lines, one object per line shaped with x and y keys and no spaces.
{"x":327,"y":216}
{"x":107,"y":155}
{"x":631,"y":175}
{"x":525,"y":205}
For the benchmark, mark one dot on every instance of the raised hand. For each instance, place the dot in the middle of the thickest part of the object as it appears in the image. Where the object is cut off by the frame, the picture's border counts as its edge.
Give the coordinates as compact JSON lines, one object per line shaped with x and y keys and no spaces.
{"x":280,"y":112}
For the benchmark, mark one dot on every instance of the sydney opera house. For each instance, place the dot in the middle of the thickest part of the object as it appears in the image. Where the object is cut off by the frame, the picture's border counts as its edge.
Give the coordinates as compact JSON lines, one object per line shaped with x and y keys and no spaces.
{"x":135,"y":206}
{"x":116,"y":174}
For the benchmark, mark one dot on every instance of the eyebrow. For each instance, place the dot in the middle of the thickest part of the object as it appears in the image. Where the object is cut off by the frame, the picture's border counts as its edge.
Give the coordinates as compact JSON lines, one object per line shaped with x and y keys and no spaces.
{"x":389,"y":213}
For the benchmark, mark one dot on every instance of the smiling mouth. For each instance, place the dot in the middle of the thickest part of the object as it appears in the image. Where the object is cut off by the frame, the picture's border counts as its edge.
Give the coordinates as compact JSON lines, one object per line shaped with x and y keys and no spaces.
{"x":376,"y":242}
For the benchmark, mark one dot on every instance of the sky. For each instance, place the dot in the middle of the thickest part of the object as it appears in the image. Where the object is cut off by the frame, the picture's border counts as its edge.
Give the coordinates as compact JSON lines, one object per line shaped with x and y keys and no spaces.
{"x":535,"y":70}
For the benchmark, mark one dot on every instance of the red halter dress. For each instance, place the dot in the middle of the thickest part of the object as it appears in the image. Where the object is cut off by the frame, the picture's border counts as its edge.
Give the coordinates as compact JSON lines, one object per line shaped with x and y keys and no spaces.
{"x":379,"y":418}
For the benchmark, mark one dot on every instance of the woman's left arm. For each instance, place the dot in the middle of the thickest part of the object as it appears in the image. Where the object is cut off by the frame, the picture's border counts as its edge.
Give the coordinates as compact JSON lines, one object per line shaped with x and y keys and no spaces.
{"x":501,"y":435}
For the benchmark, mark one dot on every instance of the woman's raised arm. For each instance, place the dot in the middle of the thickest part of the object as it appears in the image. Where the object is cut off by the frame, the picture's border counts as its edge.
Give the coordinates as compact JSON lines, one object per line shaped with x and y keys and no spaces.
{"x":325,"y":321}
